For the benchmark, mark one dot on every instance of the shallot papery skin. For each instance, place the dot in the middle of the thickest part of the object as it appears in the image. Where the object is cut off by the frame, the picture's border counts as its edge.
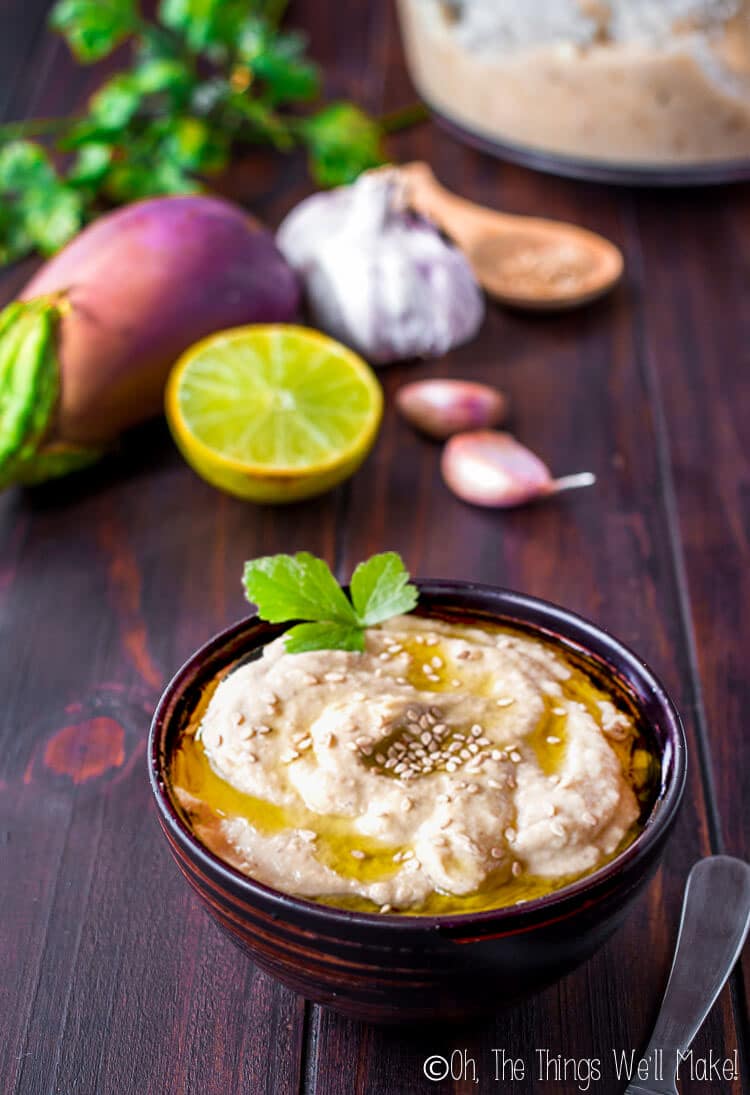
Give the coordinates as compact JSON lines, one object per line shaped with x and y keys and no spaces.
{"x":379,"y":277}
{"x":441,"y":408}
{"x":491,"y":468}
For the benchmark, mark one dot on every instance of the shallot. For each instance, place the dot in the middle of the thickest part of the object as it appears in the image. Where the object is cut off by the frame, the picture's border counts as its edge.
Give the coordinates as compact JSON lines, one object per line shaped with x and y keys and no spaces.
{"x":378,"y":276}
{"x":86,"y":350}
{"x":441,"y":408}
{"x":492,"y":468}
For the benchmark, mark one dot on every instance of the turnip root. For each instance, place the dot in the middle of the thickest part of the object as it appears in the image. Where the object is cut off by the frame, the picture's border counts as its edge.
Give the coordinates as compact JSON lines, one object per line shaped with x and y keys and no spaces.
{"x":88,"y":355}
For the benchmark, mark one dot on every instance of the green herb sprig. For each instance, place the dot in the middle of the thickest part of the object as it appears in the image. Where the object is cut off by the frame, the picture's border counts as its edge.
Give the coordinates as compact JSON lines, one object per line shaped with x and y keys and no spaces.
{"x":302,"y":587}
{"x":207,"y":77}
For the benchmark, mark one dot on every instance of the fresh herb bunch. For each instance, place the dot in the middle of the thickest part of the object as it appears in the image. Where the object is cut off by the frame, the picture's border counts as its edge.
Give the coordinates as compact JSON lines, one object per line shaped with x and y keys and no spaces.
{"x":207,"y":77}
{"x":302,"y":587}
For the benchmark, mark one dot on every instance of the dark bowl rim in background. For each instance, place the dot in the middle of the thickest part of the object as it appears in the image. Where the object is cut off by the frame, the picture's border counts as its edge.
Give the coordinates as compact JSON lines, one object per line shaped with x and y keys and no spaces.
{"x":550,"y":621}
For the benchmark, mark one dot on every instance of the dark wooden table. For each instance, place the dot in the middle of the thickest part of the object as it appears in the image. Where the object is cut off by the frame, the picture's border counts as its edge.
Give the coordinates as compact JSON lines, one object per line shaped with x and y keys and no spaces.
{"x":113,"y":979}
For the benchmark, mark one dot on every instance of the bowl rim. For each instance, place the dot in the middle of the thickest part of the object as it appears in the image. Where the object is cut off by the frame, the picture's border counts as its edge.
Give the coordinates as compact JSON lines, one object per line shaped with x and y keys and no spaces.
{"x":559,"y":624}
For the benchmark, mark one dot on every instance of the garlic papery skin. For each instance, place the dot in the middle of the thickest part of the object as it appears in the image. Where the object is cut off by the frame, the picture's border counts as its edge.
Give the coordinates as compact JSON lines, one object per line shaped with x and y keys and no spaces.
{"x":378,"y":276}
{"x":441,"y":408}
{"x":491,"y":468}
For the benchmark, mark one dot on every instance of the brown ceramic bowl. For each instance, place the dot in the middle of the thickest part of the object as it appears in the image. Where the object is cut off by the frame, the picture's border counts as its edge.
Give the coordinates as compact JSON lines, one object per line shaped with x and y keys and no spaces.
{"x":392,"y":968}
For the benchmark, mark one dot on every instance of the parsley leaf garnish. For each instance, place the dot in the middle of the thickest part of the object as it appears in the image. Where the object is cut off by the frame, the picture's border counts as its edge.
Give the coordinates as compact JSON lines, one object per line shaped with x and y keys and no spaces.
{"x":302,"y":587}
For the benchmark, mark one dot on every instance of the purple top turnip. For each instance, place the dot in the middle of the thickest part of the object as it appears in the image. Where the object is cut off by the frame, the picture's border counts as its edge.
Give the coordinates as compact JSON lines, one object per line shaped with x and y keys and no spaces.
{"x":127,"y":297}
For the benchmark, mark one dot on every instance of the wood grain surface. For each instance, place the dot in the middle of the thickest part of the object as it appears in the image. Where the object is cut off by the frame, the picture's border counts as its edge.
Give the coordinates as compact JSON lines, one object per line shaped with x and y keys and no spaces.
{"x":113,"y":979}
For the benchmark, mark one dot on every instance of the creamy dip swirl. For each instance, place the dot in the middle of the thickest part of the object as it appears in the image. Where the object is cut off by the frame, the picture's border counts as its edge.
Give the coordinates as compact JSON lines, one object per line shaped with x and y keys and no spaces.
{"x":445,"y":759}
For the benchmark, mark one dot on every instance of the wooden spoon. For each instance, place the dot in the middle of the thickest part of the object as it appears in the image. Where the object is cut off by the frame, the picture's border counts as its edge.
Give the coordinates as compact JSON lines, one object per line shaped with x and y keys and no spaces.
{"x":526,"y":262}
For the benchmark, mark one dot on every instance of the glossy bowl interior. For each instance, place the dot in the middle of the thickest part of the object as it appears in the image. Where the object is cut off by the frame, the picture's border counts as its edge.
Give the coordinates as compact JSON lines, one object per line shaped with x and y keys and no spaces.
{"x":395,"y":968}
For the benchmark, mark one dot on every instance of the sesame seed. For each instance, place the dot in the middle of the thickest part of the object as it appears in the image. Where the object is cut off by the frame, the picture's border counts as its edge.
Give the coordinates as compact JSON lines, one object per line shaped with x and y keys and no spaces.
{"x":308,"y":835}
{"x":380,"y":758}
{"x":310,"y":678}
{"x":352,"y":746}
{"x":432,"y":640}
{"x":419,"y":639}
{"x":385,"y":908}
{"x":401,"y":680}
{"x":334,"y":678}
{"x":270,"y":698}
{"x":463,"y":655}
{"x":515,"y":757}
{"x":306,"y":742}
{"x":287,"y":758}
{"x":408,"y":854}
{"x":455,"y":683}
{"x":510,"y":834}
{"x":559,"y":711}
{"x":516,"y":869}
{"x":436,"y":662}
{"x":435,"y":712}
{"x":407,"y":804}
{"x":473,"y":747}
{"x":251,"y":758}
{"x":494,"y":785}
{"x":384,"y":656}
{"x":588,"y":819}
{"x":263,"y":729}
{"x":497,"y":853}
{"x":439,"y":728}
{"x":472,"y":789}
{"x":330,"y":740}
{"x":550,"y":809}
{"x":505,"y":701}
{"x":552,"y":740}
{"x":357,"y":854}
{"x":557,"y":829}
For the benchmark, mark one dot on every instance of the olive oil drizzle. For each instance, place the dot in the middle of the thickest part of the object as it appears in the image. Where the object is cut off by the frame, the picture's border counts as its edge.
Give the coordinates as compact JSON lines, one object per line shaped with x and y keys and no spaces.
{"x":336,"y":836}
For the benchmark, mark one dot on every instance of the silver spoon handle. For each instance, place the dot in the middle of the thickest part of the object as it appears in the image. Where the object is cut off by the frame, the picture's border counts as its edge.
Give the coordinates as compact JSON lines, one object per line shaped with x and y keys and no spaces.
{"x":714,"y":925}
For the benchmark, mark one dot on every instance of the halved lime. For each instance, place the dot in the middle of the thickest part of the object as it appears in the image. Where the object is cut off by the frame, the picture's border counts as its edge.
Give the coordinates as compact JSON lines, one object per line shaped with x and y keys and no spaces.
{"x":273,"y":412}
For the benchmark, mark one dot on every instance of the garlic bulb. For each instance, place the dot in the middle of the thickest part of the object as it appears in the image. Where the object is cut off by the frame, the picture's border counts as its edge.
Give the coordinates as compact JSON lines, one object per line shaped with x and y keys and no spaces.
{"x":491,"y":468}
{"x":441,"y":408}
{"x":379,"y":277}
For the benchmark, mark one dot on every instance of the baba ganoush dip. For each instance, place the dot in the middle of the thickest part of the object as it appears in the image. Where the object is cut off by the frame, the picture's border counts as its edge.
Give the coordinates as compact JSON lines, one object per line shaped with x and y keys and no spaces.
{"x":450,"y":767}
